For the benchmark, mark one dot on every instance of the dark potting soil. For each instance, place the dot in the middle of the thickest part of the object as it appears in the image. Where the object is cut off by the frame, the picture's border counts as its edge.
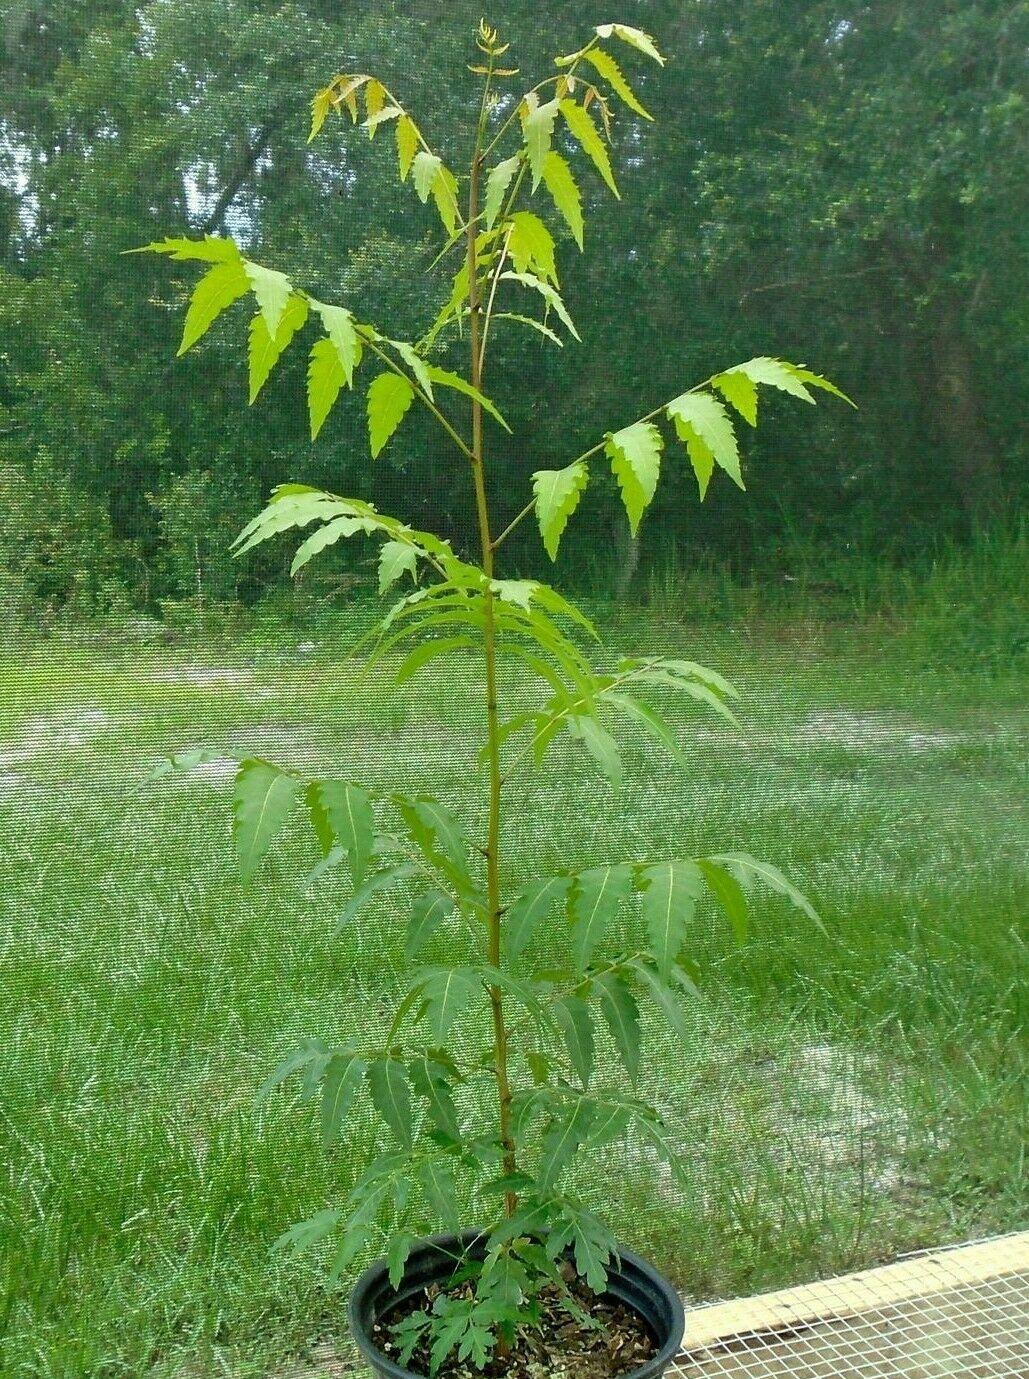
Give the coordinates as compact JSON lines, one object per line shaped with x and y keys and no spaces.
{"x":560,"y":1348}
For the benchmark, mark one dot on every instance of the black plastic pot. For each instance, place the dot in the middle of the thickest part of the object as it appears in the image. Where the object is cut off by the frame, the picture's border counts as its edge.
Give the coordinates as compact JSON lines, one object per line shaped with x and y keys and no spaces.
{"x":633,"y":1283}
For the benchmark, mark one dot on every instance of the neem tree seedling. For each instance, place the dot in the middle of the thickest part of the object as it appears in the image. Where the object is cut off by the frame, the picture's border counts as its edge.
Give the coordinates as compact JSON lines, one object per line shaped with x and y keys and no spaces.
{"x":502,"y":1130}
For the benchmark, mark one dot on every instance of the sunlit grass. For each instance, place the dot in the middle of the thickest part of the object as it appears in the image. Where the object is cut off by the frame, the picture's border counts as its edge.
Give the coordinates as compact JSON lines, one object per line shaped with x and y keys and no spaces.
{"x":840,"y":1099}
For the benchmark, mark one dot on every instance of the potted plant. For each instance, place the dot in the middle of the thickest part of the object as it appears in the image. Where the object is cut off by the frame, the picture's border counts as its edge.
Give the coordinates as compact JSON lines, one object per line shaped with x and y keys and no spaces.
{"x":529,"y":1280}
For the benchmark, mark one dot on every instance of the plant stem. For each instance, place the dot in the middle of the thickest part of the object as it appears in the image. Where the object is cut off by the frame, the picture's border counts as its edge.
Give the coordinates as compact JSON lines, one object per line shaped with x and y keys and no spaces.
{"x":490,"y":652}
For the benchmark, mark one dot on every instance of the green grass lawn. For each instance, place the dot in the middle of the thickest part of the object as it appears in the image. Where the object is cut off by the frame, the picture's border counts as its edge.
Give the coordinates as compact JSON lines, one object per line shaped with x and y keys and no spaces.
{"x":842,"y":1099}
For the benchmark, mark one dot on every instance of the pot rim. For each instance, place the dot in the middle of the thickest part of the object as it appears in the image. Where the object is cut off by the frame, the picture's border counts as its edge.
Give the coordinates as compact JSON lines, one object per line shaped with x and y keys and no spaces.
{"x":373,"y":1276}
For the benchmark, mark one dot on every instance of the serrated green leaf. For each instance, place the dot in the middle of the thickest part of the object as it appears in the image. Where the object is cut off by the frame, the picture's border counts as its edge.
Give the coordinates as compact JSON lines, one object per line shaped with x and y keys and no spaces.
{"x":388,"y":112}
{"x":397,"y":1254}
{"x":325,"y":378}
{"x":446,"y":379}
{"x":381,"y":881}
{"x":596,"y":897}
{"x":396,"y":559}
{"x":448,"y":993}
{"x":439,"y":837}
{"x":437,"y":1178}
{"x":564,"y":191}
{"x":573,"y":1016}
{"x":729,"y":894}
{"x":666,"y":999}
{"x":636,"y":38}
{"x":609,"y":69}
{"x":741,"y":391}
{"x":539,"y":326}
{"x":817,"y":380}
{"x":557,"y":493}
{"x":427,"y":913}
{"x":702,"y":416}
{"x":407,"y":145}
{"x":497,"y":183}
{"x":328,"y":535}
{"x":391,"y":1096}
{"x":344,"y":1073}
{"x":587,"y":136}
{"x":425,"y":167}
{"x":622,"y":1016}
{"x":745,"y":867}
{"x":430,"y":1083}
{"x":339,"y":327}
{"x":531,"y":246}
{"x":538,"y":130}
{"x":444,"y":193}
{"x":262,"y":800}
{"x":273,"y":291}
{"x":264,"y":350}
{"x":561,"y":1141}
{"x":220,"y":286}
{"x":669,"y":902}
{"x":775,"y":373}
{"x":530,"y":909}
{"x":389,"y":398}
{"x":651,"y":721}
{"x":415,"y":363}
{"x":549,"y":294}
{"x":304,"y":1234}
{"x":342,"y":813}
{"x":635,"y":455}
{"x":210,"y":249}
{"x":599,"y":743}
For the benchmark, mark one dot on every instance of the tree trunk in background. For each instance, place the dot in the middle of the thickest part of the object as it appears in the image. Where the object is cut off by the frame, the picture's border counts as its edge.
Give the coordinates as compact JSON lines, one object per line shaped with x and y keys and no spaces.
{"x":974,"y":464}
{"x":628,"y":563}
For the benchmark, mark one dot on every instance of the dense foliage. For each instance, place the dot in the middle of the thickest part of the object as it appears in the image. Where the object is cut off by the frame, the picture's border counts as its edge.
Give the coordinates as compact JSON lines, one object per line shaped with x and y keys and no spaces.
{"x":841,"y":174}
{"x":502,"y":1128}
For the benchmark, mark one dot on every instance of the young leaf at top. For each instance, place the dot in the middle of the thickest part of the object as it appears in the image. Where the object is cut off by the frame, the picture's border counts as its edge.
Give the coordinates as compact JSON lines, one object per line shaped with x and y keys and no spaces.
{"x":407,"y":144}
{"x":636,"y":38}
{"x":585,"y":132}
{"x":538,"y":129}
{"x":262,"y":800}
{"x":635,"y":454}
{"x":497,"y":184}
{"x":531,"y":246}
{"x":389,"y":397}
{"x":426,"y":166}
{"x":559,"y":182}
{"x":609,"y":69}
{"x":557,"y":493}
